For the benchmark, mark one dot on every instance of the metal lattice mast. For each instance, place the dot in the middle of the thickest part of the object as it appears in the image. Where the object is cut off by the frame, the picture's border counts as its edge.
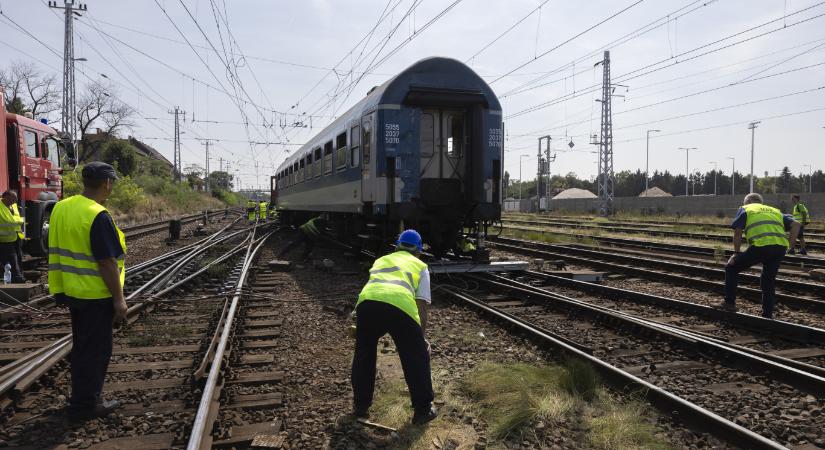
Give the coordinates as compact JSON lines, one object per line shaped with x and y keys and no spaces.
{"x":605,"y":180}
{"x":177,"y":163}
{"x":68,"y":120}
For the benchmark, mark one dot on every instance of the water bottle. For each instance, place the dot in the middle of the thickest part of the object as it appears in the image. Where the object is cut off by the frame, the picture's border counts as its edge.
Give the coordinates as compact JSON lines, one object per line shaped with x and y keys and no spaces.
{"x":7,"y":274}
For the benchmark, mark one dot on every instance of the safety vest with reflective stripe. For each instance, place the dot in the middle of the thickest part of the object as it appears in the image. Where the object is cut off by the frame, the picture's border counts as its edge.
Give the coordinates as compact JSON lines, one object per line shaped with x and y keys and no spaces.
{"x":9,"y":224}
{"x":394,"y":279}
{"x":16,"y":212}
{"x":252,"y":210}
{"x":800,"y":214}
{"x":73,"y":269}
{"x":764,"y":226}
{"x":309,"y":228}
{"x":262,"y":210}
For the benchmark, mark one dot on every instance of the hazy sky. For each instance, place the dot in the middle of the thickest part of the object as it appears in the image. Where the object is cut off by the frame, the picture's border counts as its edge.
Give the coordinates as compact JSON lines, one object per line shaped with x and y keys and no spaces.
{"x":699,"y":71}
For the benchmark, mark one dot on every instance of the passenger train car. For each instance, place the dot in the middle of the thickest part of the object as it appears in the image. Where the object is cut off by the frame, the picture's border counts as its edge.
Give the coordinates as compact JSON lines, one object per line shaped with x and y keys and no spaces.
{"x":422,"y":151}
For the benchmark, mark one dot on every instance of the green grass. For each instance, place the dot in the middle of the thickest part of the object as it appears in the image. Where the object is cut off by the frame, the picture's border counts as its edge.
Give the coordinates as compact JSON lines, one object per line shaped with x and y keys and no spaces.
{"x":548,"y":237}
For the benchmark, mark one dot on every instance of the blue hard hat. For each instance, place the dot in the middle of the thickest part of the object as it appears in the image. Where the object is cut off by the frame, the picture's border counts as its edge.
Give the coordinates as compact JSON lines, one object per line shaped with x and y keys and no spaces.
{"x":410,"y":238}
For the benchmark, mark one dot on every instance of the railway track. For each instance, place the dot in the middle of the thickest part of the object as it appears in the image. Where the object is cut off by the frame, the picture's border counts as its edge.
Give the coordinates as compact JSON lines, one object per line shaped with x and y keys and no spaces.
{"x":727,"y":238}
{"x":713,"y":384}
{"x":673,"y":272}
{"x":800,"y":261}
{"x":641,"y":222}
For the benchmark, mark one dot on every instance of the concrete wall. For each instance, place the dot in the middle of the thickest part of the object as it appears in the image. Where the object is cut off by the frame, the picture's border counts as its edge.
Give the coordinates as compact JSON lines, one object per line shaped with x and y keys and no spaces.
{"x":699,"y":205}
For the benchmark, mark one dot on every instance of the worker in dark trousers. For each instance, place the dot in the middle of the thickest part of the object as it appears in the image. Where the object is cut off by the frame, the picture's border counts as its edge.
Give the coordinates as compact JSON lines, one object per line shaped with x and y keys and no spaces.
{"x":764,"y":228}
{"x":21,"y":237}
{"x":395,"y":301}
{"x":86,"y":273}
{"x":251,"y":211}
{"x":308,"y":234}
{"x":262,"y":211}
{"x":801,"y":215}
{"x":9,"y":227}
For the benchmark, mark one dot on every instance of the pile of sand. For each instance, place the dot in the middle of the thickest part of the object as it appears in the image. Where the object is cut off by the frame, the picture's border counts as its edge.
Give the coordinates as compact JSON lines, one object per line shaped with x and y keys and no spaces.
{"x":574,"y":193}
{"x":655,"y":192}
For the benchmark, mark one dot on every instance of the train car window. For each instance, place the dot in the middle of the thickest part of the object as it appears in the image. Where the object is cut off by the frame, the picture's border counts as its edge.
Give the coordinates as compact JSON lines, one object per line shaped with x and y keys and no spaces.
{"x":455,"y":135}
{"x":317,"y":160}
{"x":31,"y":143}
{"x":366,"y":138}
{"x":355,"y":143}
{"x":341,"y":151}
{"x":301,"y":167}
{"x":51,"y":147}
{"x":427,"y":134}
{"x":328,"y":157}
{"x":297,"y":175}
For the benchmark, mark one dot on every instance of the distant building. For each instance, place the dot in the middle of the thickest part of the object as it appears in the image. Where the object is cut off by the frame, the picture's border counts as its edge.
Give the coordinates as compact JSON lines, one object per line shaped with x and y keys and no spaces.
{"x":148,"y":151}
{"x":93,"y":143}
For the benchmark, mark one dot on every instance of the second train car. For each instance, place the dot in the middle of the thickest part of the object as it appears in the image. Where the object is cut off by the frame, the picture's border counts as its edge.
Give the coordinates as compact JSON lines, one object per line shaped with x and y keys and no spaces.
{"x":423,"y":151}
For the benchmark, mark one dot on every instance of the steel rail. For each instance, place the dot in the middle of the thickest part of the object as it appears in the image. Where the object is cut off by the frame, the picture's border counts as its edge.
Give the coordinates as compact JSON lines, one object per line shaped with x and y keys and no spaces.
{"x":800,"y":379}
{"x":795,"y":260}
{"x":670,"y":223}
{"x":787,"y":330}
{"x":201,"y":435}
{"x":666,"y":402}
{"x":750,"y":293}
{"x":36,"y":363}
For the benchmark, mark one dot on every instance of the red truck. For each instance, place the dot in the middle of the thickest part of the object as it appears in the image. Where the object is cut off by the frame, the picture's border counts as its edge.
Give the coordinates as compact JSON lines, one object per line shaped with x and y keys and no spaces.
{"x":30,"y":165}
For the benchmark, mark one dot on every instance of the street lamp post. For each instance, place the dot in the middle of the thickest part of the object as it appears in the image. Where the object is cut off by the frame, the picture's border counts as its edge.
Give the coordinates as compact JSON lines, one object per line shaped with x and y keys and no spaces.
{"x":647,"y":157}
{"x":732,"y":175}
{"x":752,"y":127}
{"x":715,"y":170}
{"x":520,"y":182}
{"x":687,"y":166}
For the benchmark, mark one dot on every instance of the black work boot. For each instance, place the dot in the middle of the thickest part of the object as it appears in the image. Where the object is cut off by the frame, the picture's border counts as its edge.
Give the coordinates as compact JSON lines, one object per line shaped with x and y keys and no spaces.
{"x":802,"y":251}
{"x":101,"y":409}
{"x":422,"y":417}
{"x":726,"y":306}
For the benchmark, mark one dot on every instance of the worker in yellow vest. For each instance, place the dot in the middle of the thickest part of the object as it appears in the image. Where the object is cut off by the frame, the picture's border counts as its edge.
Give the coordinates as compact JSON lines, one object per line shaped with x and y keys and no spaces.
{"x":395,"y":301}
{"x":86,"y":273}
{"x":262,"y":211}
{"x":10,"y":226}
{"x":251,"y":210}
{"x":308,"y":235}
{"x":21,"y":236}
{"x":764,"y":229}
{"x":801,"y":215}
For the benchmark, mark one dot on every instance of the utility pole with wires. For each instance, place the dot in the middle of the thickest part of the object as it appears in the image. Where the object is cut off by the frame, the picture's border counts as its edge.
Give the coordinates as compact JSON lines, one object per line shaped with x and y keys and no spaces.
{"x":752,"y":127}
{"x":177,"y":169}
{"x":605,"y":178}
{"x":206,"y":175}
{"x":69,"y":112}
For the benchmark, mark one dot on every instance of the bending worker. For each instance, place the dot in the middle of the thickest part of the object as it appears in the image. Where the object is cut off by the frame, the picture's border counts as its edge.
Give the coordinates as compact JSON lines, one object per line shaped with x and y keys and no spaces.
{"x":764,"y":227}
{"x":800,"y":214}
{"x":395,"y":301}
{"x":262,"y":211}
{"x":86,"y":273}
{"x":308,"y":234}
{"x":10,"y":226}
{"x":251,"y":210}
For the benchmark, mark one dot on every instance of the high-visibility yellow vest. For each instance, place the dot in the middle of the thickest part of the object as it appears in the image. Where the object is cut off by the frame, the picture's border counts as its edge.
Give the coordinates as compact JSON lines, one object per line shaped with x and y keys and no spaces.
{"x":764,"y":226}
{"x":9,"y":225}
{"x":394,"y":279}
{"x":251,"y":210}
{"x":309,"y":228}
{"x":73,"y":269}
{"x":800,"y":214}
{"x":262,"y":210}
{"x":16,"y":212}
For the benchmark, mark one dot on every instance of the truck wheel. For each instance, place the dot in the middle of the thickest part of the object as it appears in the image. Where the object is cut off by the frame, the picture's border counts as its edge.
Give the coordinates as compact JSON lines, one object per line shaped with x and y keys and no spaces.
{"x":41,"y":246}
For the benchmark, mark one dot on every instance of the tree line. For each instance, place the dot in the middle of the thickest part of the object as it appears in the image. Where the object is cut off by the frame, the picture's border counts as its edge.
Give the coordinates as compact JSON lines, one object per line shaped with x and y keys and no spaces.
{"x":630,"y":184}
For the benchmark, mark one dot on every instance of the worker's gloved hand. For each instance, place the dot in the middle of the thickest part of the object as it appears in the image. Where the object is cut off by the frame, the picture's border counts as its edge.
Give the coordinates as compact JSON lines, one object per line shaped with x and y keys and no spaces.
{"x":429,"y":347}
{"x":120,"y":312}
{"x":732,"y":259}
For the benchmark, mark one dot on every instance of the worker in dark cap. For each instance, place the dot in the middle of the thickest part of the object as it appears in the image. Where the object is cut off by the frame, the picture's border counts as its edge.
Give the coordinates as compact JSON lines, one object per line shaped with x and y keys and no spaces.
{"x":86,"y":273}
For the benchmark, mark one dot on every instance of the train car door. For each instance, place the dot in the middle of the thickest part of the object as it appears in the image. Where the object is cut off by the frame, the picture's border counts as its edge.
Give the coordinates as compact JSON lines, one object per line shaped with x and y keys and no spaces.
{"x":443,"y":141}
{"x":368,"y":158}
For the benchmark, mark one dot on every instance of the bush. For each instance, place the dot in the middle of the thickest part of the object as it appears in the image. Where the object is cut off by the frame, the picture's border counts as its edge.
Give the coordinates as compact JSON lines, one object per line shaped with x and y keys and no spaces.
{"x":120,"y":154}
{"x":126,"y":195}
{"x":230,"y":198}
{"x":72,"y":182}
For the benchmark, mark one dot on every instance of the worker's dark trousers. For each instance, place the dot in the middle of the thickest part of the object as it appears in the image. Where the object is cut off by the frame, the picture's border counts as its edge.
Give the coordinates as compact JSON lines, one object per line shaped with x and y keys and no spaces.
{"x":375,"y":319}
{"x":309,"y":245}
{"x":18,"y":247}
{"x":770,"y":257}
{"x":8,"y":255}
{"x":91,"y":350}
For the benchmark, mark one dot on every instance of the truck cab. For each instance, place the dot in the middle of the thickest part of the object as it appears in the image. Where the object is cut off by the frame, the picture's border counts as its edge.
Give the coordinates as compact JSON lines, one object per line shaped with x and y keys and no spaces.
{"x":30,"y":164}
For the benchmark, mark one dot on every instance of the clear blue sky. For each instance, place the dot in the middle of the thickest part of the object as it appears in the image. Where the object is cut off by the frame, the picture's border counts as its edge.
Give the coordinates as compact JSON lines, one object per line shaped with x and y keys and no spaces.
{"x":290,"y":48}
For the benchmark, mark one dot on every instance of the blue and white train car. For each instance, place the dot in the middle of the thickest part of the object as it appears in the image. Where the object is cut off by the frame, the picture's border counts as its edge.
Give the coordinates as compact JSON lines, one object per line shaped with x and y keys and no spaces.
{"x":422,"y":151}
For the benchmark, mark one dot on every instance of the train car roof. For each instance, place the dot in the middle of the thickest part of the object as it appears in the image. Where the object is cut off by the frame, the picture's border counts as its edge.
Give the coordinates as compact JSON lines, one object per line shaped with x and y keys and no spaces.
{"x":425,"y":79}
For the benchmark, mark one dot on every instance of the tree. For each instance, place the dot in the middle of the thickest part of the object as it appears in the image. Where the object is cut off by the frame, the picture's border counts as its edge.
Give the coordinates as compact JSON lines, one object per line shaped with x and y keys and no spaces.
{"x":220,"y":180}
{"x":120,"y":154}
{"x":99,"y":104}
{"x":193,"y":174}
{"x":28,"y":90}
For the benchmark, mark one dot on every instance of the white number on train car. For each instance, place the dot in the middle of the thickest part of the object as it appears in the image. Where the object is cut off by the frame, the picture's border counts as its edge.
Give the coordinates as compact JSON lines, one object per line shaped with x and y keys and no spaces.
{"x":392,"y":132}
{"x":495,"y":138}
